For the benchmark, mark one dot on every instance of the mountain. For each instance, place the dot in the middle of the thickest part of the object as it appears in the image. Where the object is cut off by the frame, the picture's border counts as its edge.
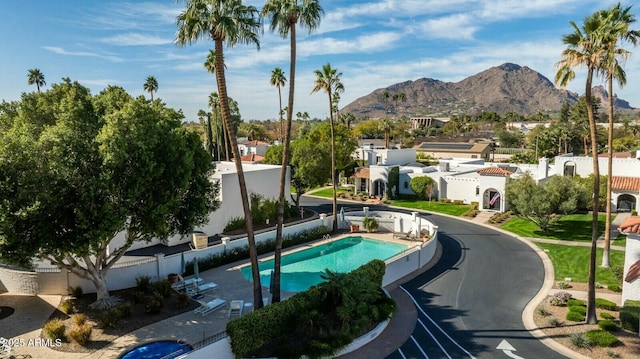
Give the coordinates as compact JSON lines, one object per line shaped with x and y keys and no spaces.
{"x":508,"y":87}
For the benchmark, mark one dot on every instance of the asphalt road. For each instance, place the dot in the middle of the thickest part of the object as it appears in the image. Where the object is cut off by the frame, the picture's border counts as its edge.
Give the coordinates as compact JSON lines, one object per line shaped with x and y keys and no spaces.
{"x":470,"y":304}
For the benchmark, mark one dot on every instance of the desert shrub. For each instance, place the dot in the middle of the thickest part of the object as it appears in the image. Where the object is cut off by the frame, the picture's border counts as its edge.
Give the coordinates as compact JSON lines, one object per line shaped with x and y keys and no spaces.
{"x":66,"y":307}
{"x":475,"y":205}
{"x":629,"y":315}
{"x":553,"y":321}
{"x":615,"y":288}
{"x":607,"y":325}
{"x":458,"y":201}
{"x":234,"y":224}
{"x":163,"y":287}
{"x":612,"y":354}
{"x":76,"y":292}
{"x":575,"y":303}
{"x":81,"y":333}
{"x":601,"y":338}
{"x":144,"y":283}
{"x":124,"y":309}
{"x":109,"y":318}
{"x":578,"y":309}
{"x":605,"y":304}
{"x":182,"y":300}
{"x":54,"y":329}
{"x":79,"y":319}
{"x":543,"y":311}
{"x":575,"y":317}
{"x":559,"y":299}
{"x":580,"y":340}
{"x":563,"y":285}
{"x":607,"y":316}
{"x":138,"y":296}
{"x":618,"y":272}
{"x":154,"y":304}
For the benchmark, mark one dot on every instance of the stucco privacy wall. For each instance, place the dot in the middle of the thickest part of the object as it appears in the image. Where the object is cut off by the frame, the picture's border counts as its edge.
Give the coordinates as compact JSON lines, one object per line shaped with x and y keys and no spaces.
{"x":16,"y":281}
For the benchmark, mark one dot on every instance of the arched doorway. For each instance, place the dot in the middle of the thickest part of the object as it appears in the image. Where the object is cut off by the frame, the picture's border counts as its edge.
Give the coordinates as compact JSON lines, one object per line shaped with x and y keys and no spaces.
{"x":379,"y":188}
{"x":492,"y":199}
{"x":626,"y":203}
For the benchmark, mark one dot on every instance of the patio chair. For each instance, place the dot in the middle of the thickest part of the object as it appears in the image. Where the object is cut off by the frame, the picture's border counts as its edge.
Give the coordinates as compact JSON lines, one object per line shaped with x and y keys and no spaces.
{"x":208,"y":307}
{"x":202,"y":288}
{"x":235,"y":307}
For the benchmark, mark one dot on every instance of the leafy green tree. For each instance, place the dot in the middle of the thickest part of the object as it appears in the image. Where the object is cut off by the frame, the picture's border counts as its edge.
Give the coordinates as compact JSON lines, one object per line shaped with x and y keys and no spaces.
{"x":93,"y":171}
{"x":368,"y":129}
{"x":423,"y":186}
{"x":543,"y":203}
{"x":394,"y":183}
{"x":151,"y":85}
{"x":328,"y":80}
{"x":510,"y":138}
{"x":226,"y":22}
{"x":35,"y":77}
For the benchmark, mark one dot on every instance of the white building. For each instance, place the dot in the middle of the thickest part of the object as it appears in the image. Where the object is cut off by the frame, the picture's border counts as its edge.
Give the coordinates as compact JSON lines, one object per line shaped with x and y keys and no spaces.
{"x":253,"y":147}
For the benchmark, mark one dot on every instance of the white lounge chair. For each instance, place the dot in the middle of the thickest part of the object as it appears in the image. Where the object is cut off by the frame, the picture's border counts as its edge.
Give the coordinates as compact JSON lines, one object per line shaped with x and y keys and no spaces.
{"x":206,"y":308}
{"x":235,"y":307}
{"x":202,"y":288}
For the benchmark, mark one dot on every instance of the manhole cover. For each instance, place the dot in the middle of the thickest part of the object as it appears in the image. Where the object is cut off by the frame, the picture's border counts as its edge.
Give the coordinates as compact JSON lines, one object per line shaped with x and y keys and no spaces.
{"x":6,"y":311}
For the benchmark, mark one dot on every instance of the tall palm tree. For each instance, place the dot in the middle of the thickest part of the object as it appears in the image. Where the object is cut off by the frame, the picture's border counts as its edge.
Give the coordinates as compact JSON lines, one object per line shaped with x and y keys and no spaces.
{"x":278,"y":80}
{"x":328,"y":79}
{"x":386,"y":126}
{"x":618,"y":21}
{"x":400,"y":96}
{"x":35,"y":77}
{"x":283,"y":17}
{"x":151,"y":85}
{"x":214,"y":103}
{"x":585,"y":48}
{"x":226,"y":22}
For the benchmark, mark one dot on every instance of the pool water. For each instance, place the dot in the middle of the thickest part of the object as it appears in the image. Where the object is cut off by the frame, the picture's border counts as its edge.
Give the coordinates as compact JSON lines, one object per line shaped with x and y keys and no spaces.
{"x":302,"y":269}
{"x":162,"y":349}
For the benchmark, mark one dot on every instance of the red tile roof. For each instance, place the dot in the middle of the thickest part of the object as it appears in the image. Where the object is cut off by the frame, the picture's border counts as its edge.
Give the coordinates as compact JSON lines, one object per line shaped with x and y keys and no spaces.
{"x":252,"y":157}
{"x":633,"y":273}
{"x":362,"y":173}
{"x":617,"y":155}
{"x":630,"y":225}
{"x":495,"y":171}
{"x":625,"y":183}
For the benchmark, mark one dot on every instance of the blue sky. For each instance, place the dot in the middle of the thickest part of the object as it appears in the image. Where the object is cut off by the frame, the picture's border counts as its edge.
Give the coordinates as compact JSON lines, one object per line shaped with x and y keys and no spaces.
{"x":374,"y":43}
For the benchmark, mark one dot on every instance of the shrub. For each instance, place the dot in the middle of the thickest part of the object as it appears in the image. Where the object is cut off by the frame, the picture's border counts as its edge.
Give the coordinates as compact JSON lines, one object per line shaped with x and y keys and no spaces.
{"x":601,"y":338}
{"x":154,"y":304}
{"x":615,"y":288}
{"x":605,"y":304}
{"x":559,"y":299}
{"x":370,"y":224}
{"x":458,"y":201}
{"x":79,"y":319}
{"x":563,"y":285}
{"x":607,"y":325}
{"x":629,"y":315}
{"x":109,"y":318}
{"x":81,"y":333}
{"x":618,"y":272}
{"x":54,"y":329}
{"x":163,"y":287}
{"x":66,"y":307}
{"x":76,"y":292}
{"x":543,"y":311}
{"x":575,"y":317}
{"x":144,"y":283}
{"x":607,"y":316}
{"x":580,"y":340}
{"x":553,"y":321}
{"x":575,"y":303}
{"x":138,"y":296}
{"x":578,"y":309}
{"x":182,"y":300}
{"x":475,"y":205}
{"x":234,"y":224}
{"x":124,"y":309}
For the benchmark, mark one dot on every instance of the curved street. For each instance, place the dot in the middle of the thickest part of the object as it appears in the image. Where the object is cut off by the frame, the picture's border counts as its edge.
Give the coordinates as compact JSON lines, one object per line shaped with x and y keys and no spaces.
{"x":470,"y":303}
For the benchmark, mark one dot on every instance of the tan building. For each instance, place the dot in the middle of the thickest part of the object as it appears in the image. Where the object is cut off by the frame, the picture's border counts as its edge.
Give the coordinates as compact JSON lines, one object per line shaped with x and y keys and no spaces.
{"x":456,"y":150}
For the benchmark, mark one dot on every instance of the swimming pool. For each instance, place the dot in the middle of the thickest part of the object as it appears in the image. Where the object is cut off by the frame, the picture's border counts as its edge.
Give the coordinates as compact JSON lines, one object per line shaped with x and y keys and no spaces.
{"x":302,"y":269}
{"x":160,"y":349}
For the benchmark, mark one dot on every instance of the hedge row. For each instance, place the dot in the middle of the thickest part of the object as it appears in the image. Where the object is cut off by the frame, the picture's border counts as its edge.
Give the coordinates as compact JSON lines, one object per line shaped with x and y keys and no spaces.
{"x":629,"y":315}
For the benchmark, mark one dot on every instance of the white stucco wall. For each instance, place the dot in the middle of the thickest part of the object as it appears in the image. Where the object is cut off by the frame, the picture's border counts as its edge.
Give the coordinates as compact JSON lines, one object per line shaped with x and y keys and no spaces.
{"x":626,"y":167}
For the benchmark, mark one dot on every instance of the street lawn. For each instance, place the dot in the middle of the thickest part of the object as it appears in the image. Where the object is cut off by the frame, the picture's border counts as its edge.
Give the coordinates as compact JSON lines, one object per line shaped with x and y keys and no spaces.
{"x":573,"y":227}
{"x":325,"y":192}
{"x":573,"y":262}
{"x":446,"y":208}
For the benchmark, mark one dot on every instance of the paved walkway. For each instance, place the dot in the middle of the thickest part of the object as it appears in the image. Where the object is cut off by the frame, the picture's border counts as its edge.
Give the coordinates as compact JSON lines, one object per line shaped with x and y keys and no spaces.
{"x":32,"y":312}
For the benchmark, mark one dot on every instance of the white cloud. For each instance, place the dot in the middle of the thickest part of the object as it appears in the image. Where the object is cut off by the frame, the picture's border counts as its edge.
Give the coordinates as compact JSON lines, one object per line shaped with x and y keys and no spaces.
{"x":61,"y":51}
{"x":137,"y":39}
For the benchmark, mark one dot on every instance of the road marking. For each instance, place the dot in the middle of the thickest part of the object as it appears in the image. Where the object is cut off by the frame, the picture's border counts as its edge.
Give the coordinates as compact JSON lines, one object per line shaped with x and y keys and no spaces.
{"x":434,"y":323}
{"x":434,"y":338}
{"x":419,"y":347}
{"x":508,"y":349}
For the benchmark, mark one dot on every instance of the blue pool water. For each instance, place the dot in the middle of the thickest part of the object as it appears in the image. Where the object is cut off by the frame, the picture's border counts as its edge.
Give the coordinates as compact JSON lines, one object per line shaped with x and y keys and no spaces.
{"x":302,"y":269}
{"x":162,"y":349}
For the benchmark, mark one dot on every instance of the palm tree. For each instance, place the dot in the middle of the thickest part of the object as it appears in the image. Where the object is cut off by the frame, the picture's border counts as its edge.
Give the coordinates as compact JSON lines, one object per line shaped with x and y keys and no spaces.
{"x":585,"y":48}
{"x":202,"y":115}
{"x":214,"y":104}
{"x":386,"y":126}
{"x":278,"y":80}
{"x":35,"y":77}
{"x":618,"y":22}
{"x":284,"y":15}
{"x":400,"y":96}
{"x":226,"y":22}
{"x":328,"y":79}
{"x":151,"y":85}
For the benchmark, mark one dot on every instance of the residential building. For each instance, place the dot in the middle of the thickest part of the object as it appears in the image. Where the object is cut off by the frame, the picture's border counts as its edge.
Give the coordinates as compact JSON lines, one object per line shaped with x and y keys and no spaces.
{"x":456,"y":149}
{"x":253,"y":147}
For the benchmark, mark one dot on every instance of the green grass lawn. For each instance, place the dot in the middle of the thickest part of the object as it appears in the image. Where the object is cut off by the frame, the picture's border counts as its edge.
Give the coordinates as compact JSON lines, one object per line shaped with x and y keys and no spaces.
{"x":573,"y":227}
{"x":446,"y":208}
{"x":573,"y":262}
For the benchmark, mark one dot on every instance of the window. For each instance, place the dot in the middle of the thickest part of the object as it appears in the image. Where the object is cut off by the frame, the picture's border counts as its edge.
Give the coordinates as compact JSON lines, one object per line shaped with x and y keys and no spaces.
{"x":406,"y":184}
{"x":569,"y":169}
{"x":477,"y":190}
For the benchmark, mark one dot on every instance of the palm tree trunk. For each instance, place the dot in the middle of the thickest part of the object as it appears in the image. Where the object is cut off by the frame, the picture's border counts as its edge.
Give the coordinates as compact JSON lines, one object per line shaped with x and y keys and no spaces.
{"x":607,"y":222}
{"x":333,"y":167}
{"x":591,"y":293}
{"x":226,"y":117}
{"x":277,"y":259}
{"x":280,"y":113}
